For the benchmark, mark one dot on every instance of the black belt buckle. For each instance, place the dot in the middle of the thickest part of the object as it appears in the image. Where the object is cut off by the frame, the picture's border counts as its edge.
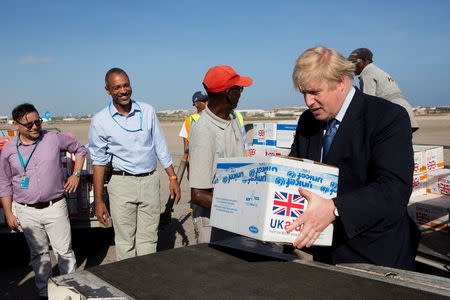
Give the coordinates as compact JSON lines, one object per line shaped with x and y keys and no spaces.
{"x":41,"y":205}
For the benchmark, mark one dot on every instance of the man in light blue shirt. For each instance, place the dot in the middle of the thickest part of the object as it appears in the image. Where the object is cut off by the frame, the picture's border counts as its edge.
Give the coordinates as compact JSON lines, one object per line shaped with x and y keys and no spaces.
{"x":128,"y":134}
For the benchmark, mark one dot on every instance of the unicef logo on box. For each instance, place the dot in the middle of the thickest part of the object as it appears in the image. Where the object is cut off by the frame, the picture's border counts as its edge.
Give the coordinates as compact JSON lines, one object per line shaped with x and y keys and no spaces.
{"x":253,"y":229}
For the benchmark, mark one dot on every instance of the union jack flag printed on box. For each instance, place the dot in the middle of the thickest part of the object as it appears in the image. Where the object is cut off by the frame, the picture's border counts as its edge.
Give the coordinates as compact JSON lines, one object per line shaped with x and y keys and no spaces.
{"x":289,"y":205}
{"x":430,"y":212}
{"x":422,"y":215}
{"x":258,"y":197}
{"x":431,"y":165}
{"x":439,"y":182}
{"x":419,"y":184}
{"x":444,"y":186}
{"x":428,"y":158}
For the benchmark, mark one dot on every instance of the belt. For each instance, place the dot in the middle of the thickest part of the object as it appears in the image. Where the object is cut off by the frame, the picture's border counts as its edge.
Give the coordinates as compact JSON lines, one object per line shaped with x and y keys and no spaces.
{"x":123,"y":173}
{"x":41,"y":205}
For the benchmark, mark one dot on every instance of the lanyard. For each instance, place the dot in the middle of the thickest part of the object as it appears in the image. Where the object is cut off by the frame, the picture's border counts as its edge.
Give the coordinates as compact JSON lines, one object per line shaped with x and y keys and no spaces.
{"x":129,"y":130}
{"x":24,"y":165}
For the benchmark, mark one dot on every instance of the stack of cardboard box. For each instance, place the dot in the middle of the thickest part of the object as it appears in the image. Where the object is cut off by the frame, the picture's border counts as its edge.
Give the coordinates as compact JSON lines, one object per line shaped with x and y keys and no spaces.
{"x":429,"y":204}
{"x":273,"y":139}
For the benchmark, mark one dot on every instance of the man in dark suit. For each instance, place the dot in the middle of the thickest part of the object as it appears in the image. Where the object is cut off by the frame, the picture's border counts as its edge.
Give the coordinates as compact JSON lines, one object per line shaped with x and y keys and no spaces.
{"x":369,"y":140}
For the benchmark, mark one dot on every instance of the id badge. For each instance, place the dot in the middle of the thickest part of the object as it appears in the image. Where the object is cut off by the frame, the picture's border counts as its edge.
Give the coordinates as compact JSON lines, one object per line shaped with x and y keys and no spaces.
{"x":24,"y":182}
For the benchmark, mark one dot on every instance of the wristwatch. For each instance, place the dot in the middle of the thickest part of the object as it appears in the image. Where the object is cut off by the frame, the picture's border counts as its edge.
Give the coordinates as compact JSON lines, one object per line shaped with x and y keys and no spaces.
{"x":78,"y":174}
{"x":336,"y":213}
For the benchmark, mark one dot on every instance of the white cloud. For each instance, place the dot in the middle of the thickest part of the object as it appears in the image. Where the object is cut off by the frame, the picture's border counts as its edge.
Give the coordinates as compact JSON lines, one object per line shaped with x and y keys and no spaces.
{"x":31,"y":60}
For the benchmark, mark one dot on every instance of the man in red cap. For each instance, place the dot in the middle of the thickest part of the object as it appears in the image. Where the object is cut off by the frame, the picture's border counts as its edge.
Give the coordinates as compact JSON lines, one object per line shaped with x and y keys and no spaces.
{"x":216,"y":134}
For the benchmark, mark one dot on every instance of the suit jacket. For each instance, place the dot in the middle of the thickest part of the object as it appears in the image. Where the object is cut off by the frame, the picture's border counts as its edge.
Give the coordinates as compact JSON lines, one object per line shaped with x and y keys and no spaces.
{"x":373,"y":151}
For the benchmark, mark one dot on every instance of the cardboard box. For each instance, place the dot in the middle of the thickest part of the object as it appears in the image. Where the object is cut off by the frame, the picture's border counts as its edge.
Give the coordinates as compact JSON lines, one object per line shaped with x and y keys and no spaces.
{"x":419,"y":184}
{"x":261,"y":151}
{"x":259,"y":137}
{"x":265,"y":134}
{"x":430,"y":212}
{"x":286,"y":133}
{"x":438,"y":182}
{"x":432,"y":157}
{"x":419,"y":163}
{"x":275,"y":151}
{"x":259,"y":198}
{"x":270,"y":132}
{"x":258,"y":150}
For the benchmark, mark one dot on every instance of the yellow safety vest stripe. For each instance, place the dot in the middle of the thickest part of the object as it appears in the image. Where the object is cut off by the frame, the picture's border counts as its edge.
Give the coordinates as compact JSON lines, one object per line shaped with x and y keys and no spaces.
{"x":188,"y":121}
{"x":241,"y":119}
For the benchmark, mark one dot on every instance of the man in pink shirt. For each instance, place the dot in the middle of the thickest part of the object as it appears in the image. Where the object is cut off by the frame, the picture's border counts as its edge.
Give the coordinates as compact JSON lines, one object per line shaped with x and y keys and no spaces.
{"x":30,"y":170}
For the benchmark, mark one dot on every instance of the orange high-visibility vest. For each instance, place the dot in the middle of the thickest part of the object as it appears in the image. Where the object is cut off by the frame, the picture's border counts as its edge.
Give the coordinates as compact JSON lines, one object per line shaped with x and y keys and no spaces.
{"x":188,"y":121}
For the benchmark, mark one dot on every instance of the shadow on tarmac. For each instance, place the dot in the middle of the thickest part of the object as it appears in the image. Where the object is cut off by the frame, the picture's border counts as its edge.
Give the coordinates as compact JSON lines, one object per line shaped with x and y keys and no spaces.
{"x":167,"y":234}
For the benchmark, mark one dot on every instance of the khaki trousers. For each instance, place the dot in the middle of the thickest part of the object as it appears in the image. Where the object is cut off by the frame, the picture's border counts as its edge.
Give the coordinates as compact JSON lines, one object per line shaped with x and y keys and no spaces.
{"x":135,"y":210}
{"x":39,"y":226}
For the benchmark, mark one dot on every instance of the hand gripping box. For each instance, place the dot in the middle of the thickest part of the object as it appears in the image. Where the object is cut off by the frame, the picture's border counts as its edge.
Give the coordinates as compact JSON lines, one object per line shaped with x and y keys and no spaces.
{"x":259,"y":198}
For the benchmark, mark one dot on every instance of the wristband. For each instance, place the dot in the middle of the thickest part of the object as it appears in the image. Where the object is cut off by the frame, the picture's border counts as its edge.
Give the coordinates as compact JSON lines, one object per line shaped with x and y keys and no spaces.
{"x":174,"y":177}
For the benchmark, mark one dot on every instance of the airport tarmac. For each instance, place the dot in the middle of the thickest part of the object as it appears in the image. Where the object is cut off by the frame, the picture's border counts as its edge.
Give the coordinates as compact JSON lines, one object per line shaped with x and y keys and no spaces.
{"x":96,"y":247}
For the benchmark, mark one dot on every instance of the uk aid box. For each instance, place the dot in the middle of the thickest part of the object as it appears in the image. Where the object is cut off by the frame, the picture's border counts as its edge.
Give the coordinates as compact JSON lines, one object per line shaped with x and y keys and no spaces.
{"x":265,"y":134}
{"x":259,"y":198}
{"x":286,"y":133}
{"x":430,"y":212}
{"x":439,"y":182}
{"x":432,"y":158}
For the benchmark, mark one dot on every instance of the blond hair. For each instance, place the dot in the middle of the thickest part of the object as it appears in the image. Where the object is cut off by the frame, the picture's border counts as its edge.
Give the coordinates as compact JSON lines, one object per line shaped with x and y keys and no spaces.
{"x":321,"y":64}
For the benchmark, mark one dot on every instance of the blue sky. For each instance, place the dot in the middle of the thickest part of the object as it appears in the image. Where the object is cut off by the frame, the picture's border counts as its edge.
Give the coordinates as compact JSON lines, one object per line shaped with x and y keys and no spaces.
{"x":54,"y":54}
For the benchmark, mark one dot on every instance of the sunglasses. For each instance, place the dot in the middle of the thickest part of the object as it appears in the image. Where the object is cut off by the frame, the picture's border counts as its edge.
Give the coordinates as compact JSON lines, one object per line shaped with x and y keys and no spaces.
{"x":29,"y":125}
{"x":239,"y":88}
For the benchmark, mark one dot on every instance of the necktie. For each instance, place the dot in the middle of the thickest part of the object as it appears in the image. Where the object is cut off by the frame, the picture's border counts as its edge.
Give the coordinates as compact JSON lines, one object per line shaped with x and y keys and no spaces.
{"x":328,"y":138}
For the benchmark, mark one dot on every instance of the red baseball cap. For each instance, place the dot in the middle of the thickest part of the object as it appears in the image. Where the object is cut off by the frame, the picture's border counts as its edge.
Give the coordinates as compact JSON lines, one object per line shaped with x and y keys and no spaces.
{"x":220,"y":78}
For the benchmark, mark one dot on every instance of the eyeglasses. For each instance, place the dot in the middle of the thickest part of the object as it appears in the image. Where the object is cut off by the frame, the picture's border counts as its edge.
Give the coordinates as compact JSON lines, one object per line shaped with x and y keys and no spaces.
{"x":29,"y":125}
{"x":236,"y":87}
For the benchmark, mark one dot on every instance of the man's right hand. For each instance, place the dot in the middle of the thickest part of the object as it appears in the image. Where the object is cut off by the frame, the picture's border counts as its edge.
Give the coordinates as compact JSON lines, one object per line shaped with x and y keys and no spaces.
{"x":12,"y":221}
{"x":102,"y":213}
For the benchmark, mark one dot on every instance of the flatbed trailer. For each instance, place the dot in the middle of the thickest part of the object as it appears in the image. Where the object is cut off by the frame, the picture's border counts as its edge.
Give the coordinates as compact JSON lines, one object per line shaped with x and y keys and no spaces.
{"x":242,"y":268}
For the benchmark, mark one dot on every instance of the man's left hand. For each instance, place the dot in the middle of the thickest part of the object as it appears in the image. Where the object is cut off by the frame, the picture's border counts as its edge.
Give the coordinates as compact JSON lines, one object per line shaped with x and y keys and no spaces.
{"x":318,"y":215}
{"x":174,"y":189}
{"x":71,"y":184}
